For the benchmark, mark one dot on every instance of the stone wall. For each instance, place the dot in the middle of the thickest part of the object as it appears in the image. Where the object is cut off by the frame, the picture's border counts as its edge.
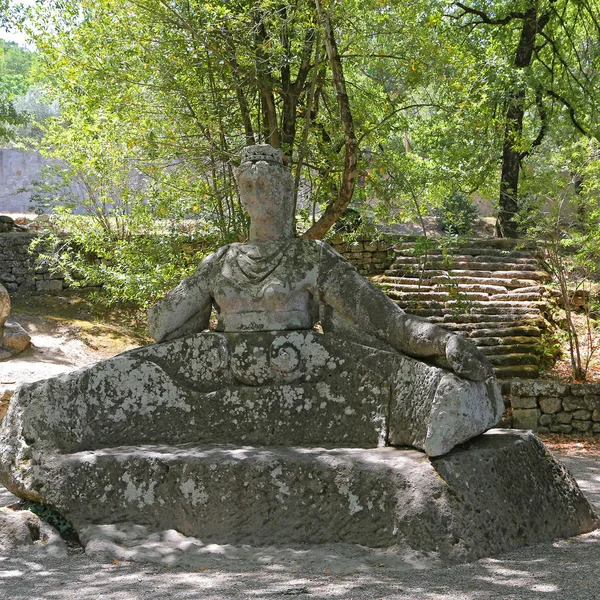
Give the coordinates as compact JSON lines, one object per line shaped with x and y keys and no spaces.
{"x":369,"y":257}
{"x":552,"y":407}
{"x":18,"y":272}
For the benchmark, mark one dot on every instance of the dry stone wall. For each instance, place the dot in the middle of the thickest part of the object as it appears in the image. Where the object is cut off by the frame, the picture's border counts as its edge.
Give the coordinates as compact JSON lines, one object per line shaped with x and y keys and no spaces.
{"x":369,"y":257}
{"x":18,"y":271}
{"x":553,"y":407}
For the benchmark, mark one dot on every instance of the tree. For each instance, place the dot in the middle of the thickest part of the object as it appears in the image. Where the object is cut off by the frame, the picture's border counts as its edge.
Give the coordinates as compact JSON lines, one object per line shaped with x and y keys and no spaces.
{"x":15,"y":68}
{"x":554,"y":65}
{"x":198,"y":80}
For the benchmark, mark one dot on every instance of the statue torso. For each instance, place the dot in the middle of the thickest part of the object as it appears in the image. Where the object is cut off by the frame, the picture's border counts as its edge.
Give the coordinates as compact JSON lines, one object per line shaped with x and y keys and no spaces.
{"x":267,"y":286}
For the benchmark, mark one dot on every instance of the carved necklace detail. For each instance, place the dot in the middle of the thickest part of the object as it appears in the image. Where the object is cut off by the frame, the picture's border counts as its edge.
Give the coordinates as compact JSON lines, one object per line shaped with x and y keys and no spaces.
{"x":257,"y":262}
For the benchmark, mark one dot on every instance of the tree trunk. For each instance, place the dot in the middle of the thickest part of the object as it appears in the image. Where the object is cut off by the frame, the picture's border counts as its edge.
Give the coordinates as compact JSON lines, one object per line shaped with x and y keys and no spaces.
{"x":336,"y":208}
{"x":513,"y":128}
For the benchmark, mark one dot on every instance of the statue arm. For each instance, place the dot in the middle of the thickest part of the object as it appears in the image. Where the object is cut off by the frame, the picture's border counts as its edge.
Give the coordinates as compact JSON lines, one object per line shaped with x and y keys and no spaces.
{"x":349,"y":294}
{"x":185,"y":309}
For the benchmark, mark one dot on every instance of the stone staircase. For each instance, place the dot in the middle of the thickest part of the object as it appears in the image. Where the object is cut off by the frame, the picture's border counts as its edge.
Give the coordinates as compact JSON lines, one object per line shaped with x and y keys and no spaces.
{"x":489,"y":290}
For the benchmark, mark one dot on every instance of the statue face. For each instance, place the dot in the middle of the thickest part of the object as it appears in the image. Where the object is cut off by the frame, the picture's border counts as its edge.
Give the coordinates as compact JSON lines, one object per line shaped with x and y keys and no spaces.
{"x":266,"y":193}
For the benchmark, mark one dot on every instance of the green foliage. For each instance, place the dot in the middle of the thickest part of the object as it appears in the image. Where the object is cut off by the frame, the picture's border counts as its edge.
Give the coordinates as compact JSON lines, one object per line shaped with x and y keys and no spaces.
{"x":139,"y":268}
{"x":51,"y":516}
{"x":457,"y":214}
{"x":15,"y":79}
{"x":563,"y":215}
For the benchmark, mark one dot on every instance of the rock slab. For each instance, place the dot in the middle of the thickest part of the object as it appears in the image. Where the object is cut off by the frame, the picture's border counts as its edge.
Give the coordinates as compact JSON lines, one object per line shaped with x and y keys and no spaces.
{"x":266,"y":388}
{"x":498,"y":492}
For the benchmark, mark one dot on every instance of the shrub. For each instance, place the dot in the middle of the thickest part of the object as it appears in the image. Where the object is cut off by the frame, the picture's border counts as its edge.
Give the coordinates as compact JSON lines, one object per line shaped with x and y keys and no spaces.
{"x":457,"y":214}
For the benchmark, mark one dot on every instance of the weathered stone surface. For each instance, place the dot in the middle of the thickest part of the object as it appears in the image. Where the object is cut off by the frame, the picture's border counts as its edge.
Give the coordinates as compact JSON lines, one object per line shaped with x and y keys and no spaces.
{"x":526,"y":418}
{"x":538,"y":388}
{"x":496,"y":493}
{"x":581,"y":389}
{"x":544,"y":421}
{"x":4,"y":306}
{"x":550,"y":405}
{"x":571,"y":403}
{"x":267,"y":388}
{"x":21,"y":529}
{"x":523,"y":402}
{"x":596,"y":427}
{"x":596,"y":415}
{"x":563,"y":417}
{"x":15,"y":338}
{"x":49,"y":285}
{"x":582,"y":415}
{"x":6,"y":393}
{"x":559,"y":428}
{"x":592,"y":401}
{"x":582,"y":426}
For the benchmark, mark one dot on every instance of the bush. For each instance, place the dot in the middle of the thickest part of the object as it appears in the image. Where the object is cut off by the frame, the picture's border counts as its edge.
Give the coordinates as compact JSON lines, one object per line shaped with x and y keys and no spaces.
{"x":457,"y":214}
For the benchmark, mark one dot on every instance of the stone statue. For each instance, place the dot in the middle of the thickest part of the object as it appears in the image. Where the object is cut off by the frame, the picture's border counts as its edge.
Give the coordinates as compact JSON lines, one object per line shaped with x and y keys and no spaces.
{"x":269,"y":431}
{"x":278,"y":282}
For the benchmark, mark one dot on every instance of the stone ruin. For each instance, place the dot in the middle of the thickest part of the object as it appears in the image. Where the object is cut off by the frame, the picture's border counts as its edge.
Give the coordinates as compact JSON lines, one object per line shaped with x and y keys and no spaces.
{"x":13,"y":338}
{"x":268,"y":430}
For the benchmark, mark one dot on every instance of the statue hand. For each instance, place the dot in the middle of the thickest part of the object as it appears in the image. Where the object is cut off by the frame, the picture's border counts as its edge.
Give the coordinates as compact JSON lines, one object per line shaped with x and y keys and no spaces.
{"x":466,"y":360}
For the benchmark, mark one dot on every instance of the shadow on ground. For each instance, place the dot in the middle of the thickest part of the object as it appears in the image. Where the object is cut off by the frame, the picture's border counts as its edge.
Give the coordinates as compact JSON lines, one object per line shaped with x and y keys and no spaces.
{"x":565,"y":570}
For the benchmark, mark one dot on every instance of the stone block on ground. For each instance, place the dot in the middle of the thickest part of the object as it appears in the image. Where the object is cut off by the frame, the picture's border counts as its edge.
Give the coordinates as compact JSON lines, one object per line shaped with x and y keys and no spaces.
{"x":4,"y":306}
{"x":15,"y":339}
{"x":23,"y":529}
{"x":495,"y":493}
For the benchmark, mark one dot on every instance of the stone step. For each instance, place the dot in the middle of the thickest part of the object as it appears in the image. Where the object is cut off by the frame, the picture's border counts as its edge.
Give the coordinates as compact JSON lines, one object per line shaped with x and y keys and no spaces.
{"x":513,"y":279}
{"x":487,"y":244}
{"x":522,"y":331}
{"x":487,"y":325}
{"x":518,"y":312}
{"x":458,"y":295}
{"x":507,"y":360}
{"x":517,"y":371}
{"x":386,"y":498}
{"x":521,"y":297}
{"x":444,"y":287}
{"x":512,"y":340}
{"x":512,"y":283}
{"x":440,"y":296}
{"x":491,"y":254}
{"x":509,"y":349}
{"x":476,"y":319}
{"x":457,"y":262}
{"x":474,"y":305}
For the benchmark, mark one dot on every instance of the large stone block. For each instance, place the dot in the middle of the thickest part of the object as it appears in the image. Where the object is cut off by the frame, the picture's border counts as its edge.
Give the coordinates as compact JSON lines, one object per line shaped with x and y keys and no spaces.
{"x":550,"y":405}
{"x":523,"y":402}
{"x":572,"y":403}
{"x":527,"y":387}
{"x":492,"y":494}
{"x":269,"y":388}
{"x":15,"y":338}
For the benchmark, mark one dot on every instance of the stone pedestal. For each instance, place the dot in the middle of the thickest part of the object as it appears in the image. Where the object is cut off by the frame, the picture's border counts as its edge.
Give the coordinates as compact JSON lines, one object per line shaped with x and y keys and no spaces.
{"x":285,"y":438}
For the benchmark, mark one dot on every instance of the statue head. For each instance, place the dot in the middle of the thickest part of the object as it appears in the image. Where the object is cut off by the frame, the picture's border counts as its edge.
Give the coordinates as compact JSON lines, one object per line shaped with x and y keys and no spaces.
{"x":266,"y":190}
